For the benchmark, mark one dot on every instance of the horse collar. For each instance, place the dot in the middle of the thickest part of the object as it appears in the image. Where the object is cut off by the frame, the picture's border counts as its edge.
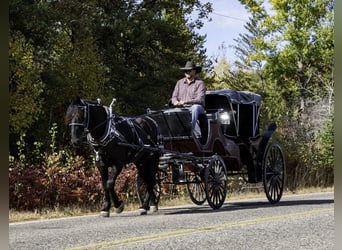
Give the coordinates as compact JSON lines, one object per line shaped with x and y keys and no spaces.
{"x":108,"y":135}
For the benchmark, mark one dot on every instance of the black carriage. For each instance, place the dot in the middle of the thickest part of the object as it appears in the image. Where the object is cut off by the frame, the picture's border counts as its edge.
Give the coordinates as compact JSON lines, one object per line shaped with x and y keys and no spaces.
{"x":231,"y":144}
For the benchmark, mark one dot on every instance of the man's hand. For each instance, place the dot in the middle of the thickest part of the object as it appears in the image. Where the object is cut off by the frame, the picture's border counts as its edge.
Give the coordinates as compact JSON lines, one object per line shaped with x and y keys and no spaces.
{"x":179,"y":103}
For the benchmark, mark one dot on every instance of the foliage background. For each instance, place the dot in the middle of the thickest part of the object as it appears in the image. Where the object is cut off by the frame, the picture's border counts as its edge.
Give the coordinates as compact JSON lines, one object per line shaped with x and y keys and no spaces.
{"x":131,"y":50}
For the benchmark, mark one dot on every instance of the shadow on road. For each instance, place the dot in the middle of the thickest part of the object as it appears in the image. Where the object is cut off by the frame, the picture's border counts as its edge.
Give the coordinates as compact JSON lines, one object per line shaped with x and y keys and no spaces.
{"x":240,"y":205}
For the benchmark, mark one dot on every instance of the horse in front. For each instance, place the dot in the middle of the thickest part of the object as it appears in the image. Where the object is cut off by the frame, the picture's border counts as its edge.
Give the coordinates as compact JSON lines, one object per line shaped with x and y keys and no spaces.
{"x":116,"y":141}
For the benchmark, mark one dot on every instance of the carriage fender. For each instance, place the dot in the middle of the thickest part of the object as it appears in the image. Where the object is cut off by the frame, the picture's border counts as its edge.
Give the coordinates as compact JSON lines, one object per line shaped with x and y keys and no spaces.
{"x":263,"y":143}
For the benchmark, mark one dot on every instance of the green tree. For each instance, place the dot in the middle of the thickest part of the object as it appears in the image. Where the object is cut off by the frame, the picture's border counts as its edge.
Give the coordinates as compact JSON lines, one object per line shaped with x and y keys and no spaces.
{"x":294,"y":47}
{"x":302,"y":62}
{"x":102,"y":49}
{"x":143,"y":44}
{"x":25,"y":86}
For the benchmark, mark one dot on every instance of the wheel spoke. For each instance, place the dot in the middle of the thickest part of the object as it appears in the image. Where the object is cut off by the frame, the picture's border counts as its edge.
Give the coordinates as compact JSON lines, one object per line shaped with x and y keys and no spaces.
{"x":215,"y":182}
{"x":196,"y":189}
{"x":274,"y":172}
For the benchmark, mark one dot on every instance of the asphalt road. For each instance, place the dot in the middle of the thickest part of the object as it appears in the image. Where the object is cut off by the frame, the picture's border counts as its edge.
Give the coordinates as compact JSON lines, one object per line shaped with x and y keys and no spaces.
{"x":297,"y":222}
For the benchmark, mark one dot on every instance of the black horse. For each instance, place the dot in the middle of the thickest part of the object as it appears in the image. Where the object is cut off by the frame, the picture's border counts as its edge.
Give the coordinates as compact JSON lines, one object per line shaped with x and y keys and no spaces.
{"x":116,"y":141}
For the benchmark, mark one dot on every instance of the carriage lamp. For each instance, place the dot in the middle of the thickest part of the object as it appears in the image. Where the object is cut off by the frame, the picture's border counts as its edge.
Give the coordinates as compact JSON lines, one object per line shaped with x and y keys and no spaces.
{"x":224,"y":118}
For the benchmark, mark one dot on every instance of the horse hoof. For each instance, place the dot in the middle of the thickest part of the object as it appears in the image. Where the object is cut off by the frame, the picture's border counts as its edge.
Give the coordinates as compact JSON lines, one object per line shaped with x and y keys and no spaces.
{"x":153,"y":209}
{"x":142,"y":211}
{"x":104,"y":213}
{"x":120,"y":208}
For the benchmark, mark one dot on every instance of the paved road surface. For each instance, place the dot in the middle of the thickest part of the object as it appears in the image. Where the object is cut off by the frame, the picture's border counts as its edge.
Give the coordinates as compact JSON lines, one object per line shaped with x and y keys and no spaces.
{"x":297,"y":222}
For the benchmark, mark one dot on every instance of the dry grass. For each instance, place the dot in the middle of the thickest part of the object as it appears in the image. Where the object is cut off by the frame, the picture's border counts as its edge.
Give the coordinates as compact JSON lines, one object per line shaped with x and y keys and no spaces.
{"x":247,"y":193}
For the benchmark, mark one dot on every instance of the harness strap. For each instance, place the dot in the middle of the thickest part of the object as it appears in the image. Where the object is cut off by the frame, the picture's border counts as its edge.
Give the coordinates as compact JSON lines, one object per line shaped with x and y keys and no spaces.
{"x":135,"y":132}
{"x":108,"y":135}
{"x":76,"y":124}
{"x":112,"y":132}
{"x":159,"y":134}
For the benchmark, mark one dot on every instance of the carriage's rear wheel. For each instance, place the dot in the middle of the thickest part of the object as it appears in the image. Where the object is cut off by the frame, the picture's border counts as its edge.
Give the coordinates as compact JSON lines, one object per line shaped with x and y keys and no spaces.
{"x":273,"y":167}
{"x":196,"y":188}
{"x":216,"y":182}
{"x":140,"y":187}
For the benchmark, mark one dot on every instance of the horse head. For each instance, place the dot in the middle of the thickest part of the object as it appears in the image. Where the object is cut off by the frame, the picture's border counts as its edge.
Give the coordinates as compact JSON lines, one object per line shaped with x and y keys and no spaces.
{"x":75,"y":118}
{"x":86,"y":118}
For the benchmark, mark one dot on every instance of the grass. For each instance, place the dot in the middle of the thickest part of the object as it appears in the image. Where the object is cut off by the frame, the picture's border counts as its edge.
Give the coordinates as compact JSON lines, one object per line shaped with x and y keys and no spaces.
{"x":166,"y":201}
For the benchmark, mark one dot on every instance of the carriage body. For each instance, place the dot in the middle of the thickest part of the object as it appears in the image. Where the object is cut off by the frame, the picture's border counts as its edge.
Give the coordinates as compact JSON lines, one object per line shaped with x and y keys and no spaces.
{"x":230,"y":127}
{"x":230,"y":131}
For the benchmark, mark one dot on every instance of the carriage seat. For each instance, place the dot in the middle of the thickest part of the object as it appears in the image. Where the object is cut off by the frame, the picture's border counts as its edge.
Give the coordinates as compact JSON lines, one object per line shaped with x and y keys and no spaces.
{"x":173,"y":123}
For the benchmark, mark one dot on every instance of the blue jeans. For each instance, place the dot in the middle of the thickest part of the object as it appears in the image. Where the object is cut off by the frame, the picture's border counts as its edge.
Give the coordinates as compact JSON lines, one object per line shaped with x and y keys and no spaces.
{"x":196,"y":110}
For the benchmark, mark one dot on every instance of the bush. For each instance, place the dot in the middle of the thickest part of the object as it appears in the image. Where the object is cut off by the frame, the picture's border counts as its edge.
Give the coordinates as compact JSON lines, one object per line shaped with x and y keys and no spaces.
{"x":63,"y":180}
{"x":309,"y":151}
{"x":43,"y":186}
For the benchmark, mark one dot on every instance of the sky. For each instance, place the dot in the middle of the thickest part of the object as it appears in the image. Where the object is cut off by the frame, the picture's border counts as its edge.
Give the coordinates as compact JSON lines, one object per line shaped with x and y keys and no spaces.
{"x":228,"y":19}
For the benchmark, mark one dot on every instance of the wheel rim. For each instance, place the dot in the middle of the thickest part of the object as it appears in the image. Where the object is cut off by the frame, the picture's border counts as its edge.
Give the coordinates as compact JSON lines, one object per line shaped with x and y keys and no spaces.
{"x":274,"y":173}
{"x":196,"y":188}
{"x":216,"y":182}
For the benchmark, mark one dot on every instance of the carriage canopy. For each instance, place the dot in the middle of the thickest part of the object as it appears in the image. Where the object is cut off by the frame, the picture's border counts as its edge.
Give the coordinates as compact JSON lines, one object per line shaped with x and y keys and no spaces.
{"x":234,"y":96}
{"x":243,"y":108}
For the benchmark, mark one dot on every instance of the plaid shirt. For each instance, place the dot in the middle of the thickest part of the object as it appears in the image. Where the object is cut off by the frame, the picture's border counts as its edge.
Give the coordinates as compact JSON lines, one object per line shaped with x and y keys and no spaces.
{"x":190,"y":93}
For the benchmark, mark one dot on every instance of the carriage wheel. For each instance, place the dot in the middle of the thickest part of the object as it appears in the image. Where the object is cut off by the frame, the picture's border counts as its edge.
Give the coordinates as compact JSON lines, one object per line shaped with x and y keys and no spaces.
{"x":140,"y":187}
{"x":273,"y":172}
{"x":195,"y":188}
{"x":216,"y":182}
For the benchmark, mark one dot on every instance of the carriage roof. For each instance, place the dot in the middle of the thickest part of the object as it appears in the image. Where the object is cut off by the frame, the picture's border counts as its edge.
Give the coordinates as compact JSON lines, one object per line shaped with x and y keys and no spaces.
{"x":237,"y":97}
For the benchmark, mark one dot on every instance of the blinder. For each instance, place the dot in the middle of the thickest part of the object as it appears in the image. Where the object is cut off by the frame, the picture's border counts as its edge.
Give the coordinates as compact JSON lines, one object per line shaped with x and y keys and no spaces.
{"x":75,"y":122}
{"x":84,"y":107}
{"x":79,"y":123}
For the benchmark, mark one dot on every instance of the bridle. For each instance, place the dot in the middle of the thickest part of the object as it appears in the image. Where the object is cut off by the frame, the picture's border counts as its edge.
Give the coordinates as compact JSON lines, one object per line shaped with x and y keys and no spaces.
{"x":110,"y":130}
{"x":85,"y":124}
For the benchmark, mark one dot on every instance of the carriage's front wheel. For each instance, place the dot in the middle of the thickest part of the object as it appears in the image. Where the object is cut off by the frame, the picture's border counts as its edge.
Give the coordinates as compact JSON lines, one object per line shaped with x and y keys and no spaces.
{"x":273,"y":167}
{"x":216,"y":182}
{"x":196,"y":188}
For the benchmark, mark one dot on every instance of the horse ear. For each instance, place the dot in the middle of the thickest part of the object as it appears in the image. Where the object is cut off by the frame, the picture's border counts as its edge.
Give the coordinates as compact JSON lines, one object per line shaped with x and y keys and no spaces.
{"x":75,"y":101}
{"x":78,"y":100}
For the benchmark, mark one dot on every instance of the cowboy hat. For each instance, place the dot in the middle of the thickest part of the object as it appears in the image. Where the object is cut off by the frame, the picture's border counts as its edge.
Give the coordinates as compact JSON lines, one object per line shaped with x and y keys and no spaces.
{"x":191,"y":65}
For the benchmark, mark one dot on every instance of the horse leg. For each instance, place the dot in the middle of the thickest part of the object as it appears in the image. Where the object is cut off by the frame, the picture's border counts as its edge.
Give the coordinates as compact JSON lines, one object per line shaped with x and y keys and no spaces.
{"x":149,"y":202}
{"x":152,"y":181}
{"x":145,"y":203}
{"x":151,"y":197}
{"x":118,"y":204}
{"x":149,"y":178}
{"x":104,"y":177}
